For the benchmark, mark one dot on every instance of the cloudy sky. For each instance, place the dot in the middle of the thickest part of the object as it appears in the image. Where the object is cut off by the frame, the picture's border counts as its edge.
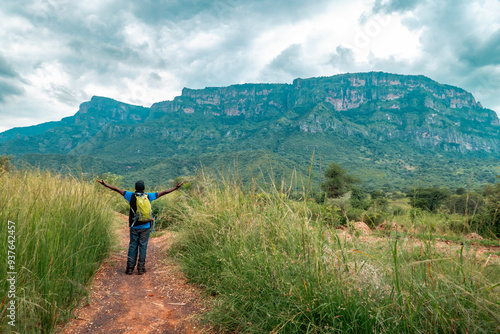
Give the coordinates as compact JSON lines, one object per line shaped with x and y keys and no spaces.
{"x":56,"y":54}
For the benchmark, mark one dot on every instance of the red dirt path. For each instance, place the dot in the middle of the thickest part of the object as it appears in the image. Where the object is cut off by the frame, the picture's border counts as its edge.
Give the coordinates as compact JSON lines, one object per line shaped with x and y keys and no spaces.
{"x":160,"y":301}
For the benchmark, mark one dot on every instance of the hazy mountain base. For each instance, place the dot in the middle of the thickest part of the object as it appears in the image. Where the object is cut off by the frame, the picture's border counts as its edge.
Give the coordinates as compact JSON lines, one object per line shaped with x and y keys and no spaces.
{"x":376,"y":172}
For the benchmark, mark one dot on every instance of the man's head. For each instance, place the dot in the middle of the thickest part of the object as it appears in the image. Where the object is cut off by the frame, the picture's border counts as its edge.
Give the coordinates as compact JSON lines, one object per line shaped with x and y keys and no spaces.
{"x":139,"y":186}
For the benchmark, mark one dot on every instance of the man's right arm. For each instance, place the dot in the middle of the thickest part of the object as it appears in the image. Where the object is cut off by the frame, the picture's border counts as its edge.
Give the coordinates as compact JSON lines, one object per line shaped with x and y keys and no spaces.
{"x":118,"y":190}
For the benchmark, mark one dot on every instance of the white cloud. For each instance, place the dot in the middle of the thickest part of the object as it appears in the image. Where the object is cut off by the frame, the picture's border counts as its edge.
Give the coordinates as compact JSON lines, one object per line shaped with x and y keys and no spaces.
{"x":63,"y":52}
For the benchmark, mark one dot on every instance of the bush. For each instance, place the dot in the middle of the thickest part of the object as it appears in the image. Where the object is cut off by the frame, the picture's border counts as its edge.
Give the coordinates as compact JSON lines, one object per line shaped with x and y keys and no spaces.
{"x":5,"y":163}
{"x":398,"y":211}
{"x":338,"y":182}
{"x":415,"y":214}
{"x":355,"y":215}
{"x":379,"y":200}
{"x":359,"y":199}
{"x":492,"y":210}
{"x":327,"y":214}
{"x":373,"y":219}
{"x":119,"y":204}
{"x":398,"y":195}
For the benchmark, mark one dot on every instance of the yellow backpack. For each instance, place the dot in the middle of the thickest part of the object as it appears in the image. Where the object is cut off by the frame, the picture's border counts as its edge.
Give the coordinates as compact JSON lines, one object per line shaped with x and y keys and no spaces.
{"x":144,"y":213}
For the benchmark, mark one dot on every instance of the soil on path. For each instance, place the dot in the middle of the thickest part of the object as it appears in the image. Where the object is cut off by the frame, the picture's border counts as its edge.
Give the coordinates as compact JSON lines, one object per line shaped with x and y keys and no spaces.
{"x":159,"y":301}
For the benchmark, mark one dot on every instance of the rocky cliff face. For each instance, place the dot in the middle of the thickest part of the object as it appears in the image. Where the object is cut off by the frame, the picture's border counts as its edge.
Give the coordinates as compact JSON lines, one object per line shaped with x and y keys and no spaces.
{"x":379,"y":107}
{"x":248,"y":100}
{"x":100,"y":111}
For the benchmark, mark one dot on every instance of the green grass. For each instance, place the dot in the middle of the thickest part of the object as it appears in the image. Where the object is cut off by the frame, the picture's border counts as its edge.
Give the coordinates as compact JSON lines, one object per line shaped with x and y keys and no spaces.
{"x":62,"y":233}
{"x":274,"y":267}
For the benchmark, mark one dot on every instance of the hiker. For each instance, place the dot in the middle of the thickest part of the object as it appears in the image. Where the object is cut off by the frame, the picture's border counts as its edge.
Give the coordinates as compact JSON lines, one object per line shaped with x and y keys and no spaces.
{"x":139,"y":222}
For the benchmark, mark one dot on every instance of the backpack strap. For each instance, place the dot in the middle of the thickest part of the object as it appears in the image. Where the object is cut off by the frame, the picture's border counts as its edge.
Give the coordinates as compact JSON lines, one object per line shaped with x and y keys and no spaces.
{"x":133,"y":208}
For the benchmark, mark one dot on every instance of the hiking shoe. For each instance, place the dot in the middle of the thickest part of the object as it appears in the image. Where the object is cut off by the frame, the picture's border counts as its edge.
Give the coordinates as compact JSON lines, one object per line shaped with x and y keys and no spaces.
{"x":141,"y":270}
{"x":129,"y":270}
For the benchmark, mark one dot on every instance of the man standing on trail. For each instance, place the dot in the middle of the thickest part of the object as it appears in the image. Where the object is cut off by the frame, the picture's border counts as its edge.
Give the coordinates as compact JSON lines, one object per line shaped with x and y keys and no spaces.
{"x":139,"y":228}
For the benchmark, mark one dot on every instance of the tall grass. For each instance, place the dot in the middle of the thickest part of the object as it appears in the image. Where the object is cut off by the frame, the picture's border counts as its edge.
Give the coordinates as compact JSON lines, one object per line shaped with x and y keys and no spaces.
{"x":62,"y":234}
{"x":274,"y":267}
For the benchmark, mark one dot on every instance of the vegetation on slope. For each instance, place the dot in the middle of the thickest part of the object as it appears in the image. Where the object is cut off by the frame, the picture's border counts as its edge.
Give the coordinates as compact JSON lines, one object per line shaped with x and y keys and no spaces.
{"x":277,"y":265}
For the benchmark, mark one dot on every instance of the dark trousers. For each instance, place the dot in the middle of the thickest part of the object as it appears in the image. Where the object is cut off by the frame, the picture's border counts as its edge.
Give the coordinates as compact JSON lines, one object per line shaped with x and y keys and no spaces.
{"x":138,"y":244}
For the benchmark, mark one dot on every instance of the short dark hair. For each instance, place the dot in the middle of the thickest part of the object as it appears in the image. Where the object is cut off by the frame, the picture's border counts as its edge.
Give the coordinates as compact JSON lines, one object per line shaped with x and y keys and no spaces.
{"x":139,"y":186}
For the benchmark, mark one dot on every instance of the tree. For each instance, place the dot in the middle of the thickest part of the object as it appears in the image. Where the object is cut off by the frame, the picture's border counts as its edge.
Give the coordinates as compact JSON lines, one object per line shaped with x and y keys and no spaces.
{"x":359,"y":198}
{"x":492,"y":208}
{"x":428,"y":198}
{"x":379,"y":199}
{"x":465,"y":203}
{"x":338,"y":182}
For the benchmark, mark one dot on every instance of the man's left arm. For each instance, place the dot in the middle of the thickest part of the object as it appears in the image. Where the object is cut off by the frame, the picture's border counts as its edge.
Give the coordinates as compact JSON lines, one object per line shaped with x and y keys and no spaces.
{"x":164,"y":192}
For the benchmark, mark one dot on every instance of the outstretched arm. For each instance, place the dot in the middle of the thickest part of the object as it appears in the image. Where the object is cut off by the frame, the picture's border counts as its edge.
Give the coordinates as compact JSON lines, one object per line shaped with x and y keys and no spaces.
{"x":164,"y":192}
{"x":118,"y":190}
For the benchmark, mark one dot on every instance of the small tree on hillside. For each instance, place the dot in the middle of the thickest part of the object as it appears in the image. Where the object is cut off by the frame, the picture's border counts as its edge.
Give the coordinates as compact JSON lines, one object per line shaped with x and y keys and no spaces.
{"x":359,"y":199}
{"x":466,"y":203}
{"x":428,"y":198}
{"x":379,"y":200}
{"x":338,"y":182}
{"x":492,"y":209}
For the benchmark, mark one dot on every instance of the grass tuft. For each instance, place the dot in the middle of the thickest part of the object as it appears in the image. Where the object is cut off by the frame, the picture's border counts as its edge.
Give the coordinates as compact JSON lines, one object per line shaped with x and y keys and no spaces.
{"x":62,"y":233}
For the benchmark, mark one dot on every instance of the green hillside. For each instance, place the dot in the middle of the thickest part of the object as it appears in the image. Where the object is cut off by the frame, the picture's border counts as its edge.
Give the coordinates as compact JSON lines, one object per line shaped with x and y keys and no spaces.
{"x":391,"y":130}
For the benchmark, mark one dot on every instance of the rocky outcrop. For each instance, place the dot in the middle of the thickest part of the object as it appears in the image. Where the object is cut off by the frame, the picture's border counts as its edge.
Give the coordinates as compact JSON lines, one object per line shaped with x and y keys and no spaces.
{"x":100,"y":111}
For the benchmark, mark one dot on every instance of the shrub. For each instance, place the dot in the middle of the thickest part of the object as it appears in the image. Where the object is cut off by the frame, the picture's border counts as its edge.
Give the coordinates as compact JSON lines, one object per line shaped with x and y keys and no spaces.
{"x":398,"y":195}
{"x":354,"y":214}
{"x":373,"y":219}
{"x":488,"y":220}
{"x":492,"y":210}
{"x":398,"y":211}
{"x":5,"y":164}
{"x":359,"y":199}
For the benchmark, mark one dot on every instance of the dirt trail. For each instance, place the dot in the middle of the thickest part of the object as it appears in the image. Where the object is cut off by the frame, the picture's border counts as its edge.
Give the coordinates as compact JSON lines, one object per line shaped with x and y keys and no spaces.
{"x":160,"y":301}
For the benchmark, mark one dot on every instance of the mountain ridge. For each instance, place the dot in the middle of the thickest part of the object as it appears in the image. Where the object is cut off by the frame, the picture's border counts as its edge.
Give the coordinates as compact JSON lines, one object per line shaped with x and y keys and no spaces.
{"x":346,"y":117}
